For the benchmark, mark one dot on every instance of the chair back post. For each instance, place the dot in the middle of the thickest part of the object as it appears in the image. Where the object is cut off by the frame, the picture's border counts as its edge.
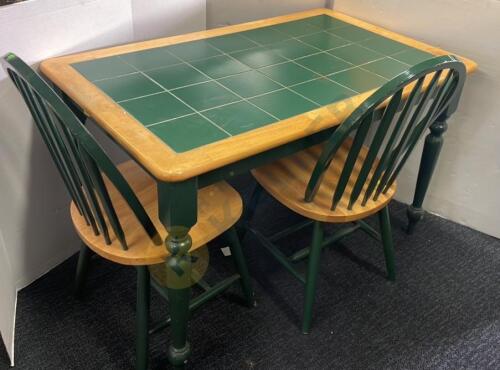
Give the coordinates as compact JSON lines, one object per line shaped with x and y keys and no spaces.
{"x":411,"y":103}
{"x":79,"y":158}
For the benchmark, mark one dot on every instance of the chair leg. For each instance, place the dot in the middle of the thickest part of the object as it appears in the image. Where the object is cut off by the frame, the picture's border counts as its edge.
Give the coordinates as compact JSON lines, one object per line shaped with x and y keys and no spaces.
{"x":252,"y":204}
{"x":241,"y":265}
{"x":312,"y":275}
{"x":142,"y":318}
{"x":81,"y":270}
{"x":386,"y":231}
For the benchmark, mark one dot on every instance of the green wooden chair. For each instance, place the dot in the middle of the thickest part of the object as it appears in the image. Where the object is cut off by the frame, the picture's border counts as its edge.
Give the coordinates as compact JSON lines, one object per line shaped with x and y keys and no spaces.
{"x":114,"y":208}
{"x":353,"y":174}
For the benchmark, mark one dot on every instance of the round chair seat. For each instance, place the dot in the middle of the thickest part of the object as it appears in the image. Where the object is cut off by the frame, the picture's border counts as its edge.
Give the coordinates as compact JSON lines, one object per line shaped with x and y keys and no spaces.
{"x":287,"y":179}
{"x":219,"y":208}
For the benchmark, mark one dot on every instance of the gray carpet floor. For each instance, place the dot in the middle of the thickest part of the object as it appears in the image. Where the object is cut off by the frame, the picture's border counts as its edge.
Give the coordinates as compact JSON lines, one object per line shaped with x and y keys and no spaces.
{"x":442,"y":313}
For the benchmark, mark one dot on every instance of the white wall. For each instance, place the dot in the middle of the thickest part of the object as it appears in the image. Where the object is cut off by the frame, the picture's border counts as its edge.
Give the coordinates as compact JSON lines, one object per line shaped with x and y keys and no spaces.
{"x":466,"y":185}
{"x":35,"y":230}
{"x":157,"y":18}
{"x":225,"y":12}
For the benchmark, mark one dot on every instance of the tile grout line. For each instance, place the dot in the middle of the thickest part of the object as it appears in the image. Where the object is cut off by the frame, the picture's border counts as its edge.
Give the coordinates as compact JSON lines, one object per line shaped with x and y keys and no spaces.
{"x":228,"y":89}
{"x":216,"y":107}
{"x":258,"y":70}
{"x":257,"y":45}
{"x":260,"y":45}
{"x":310,"y":70}
{"x":192,"y":108}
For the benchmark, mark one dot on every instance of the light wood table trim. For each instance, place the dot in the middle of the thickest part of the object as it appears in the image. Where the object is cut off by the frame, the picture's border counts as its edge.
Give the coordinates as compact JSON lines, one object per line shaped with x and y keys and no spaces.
{"x":158,"y":158}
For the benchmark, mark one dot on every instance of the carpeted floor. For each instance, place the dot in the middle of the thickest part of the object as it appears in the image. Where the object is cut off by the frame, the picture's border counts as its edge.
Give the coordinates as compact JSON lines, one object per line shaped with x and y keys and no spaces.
{"x":442,"y":313}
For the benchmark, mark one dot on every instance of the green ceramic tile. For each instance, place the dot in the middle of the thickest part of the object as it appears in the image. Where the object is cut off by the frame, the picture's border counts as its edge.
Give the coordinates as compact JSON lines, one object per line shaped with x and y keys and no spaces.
{"x":352,"y":33}
{"x":128,"y":87}
{"x":288,"y":73}
{"x":296,"y":28}
{"x":186,"y":133}
{"x":292,"y":49}
{"x":103,"y":68}
{"x":326,"y":22}
{"x":206,"y":95}
{"x":387,"y":67}
{"x":412,"y":56}
{"x":177,"y":76}
{"x":384,"y":45}
{"x":324,"y":40}
{"x":265,"y":36}
{"x":194,"y":50}
{"x":356,"y":54}
{"x":323,"y":91}
{"x":150,"y":59}
{"x":220,"y":66}
{"x":283,"y":104}
{"x":239,"y":117}
{"x":324,"y":63}
{"x":249,"y":84}
{"x":156,"y":108}
{"x":358,"y":79}
{"x":231,"y":43}
{"x":258,"y":57}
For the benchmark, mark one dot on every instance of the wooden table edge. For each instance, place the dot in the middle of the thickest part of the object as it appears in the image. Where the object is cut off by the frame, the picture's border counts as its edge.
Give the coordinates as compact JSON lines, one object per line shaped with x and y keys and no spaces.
{"x":157,"y":157}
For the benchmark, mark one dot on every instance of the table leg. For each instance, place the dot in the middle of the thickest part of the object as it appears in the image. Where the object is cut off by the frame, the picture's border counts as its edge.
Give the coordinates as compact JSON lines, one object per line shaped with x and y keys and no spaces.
{"x":430,"y":155}
{"x":178,"y":212}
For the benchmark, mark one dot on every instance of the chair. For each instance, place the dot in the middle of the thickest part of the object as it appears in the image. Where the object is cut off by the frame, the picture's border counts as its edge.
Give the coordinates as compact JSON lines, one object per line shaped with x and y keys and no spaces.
{"x":114,"y":208}
{"x":353,"y":174}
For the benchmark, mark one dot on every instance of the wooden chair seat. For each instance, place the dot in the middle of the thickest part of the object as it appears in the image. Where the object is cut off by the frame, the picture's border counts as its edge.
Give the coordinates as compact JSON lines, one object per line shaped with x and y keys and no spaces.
{"x":287,"y":179}
{"x":219,"y":207}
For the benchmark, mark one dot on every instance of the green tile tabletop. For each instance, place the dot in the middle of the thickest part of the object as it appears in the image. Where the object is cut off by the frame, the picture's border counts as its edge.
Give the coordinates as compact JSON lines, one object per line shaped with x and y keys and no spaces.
{"x":199,"y":108}
{"x":232,"y":81}
{"x":324,"y":40}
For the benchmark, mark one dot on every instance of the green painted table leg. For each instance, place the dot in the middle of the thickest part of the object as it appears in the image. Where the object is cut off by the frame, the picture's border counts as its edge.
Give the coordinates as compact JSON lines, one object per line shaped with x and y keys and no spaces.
{"x":430,"y":155}
{"x":142,"y":318}
{"x":178,"y":212}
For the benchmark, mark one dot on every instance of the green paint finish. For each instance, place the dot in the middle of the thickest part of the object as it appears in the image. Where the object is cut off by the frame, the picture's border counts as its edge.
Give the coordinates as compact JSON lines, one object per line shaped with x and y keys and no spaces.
{"x":323,"y":91}
{"x":324,"y":63}
{"x":326,"y":22}
{"x":356,"y":54}
{"x":249,"y":84}
{"x":324,"y":40}
{"x":103,"y":68}
{"x":231,"y":43}
{"x":288,"y":73}
{"x":283,"y":104}
{"x":384,"y":45}
{"x":412,"y":56}
{"x":386,"y":67}
{"x":292,"y":49}
{"x":358,"y":79}
{"x":265,"y":36}
{"x":128,"y":86}
{"x":186,"y":133}
{"x":220,"y":66}
{"x":206,"y":95}
{"x":239,"y":117}
{"x":193,"y":50}
{"x":296,"y":28}
{"x":258,"y":57}
{"x":156,"y":108}
{"x":177,"y":76}
{"x":353,"y":33}
{"x":150,"y":59}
